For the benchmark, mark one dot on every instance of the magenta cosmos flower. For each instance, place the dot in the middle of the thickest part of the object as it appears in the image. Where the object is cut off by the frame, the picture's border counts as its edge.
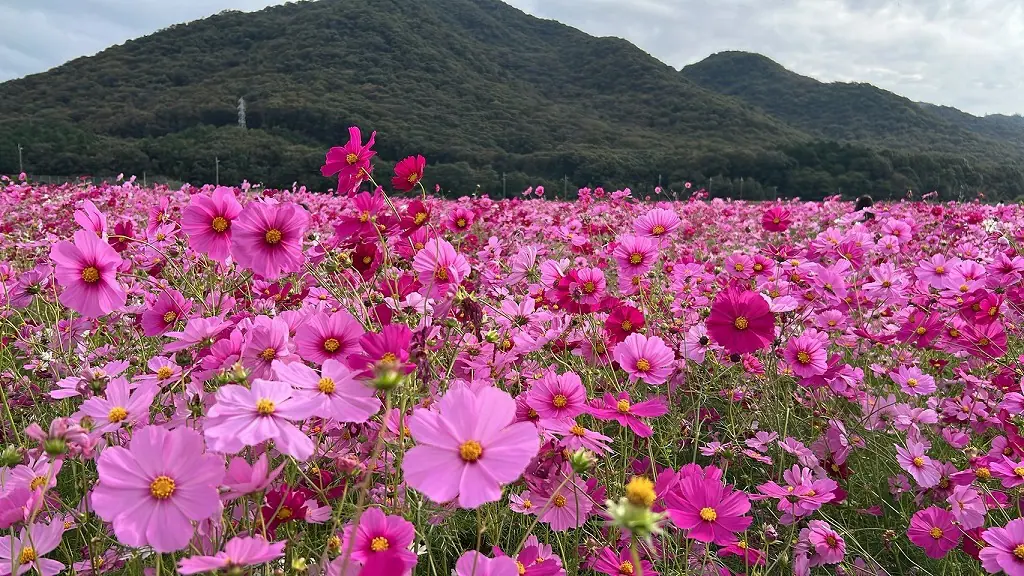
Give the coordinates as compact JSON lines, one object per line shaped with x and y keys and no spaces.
{"x":776,"y":219}
{"x":933,"y":530}
{"x":914,"y":460}
{"x":439,"y":267}
{"x":741,"y":321}
{"x":384,"y":350}
{"x":408,"y":173}
{"x":807,"y":354}
{"x":153,"y":490}
{"x":207,"y":222}
{"x":635,"y":254}
{"x":707,"y":509}
{"x":623,"y":411}
{"x":87,"y":269}
{"x":558,"y":396}
{"x":657,"y":223}
{"x":239,"y":552}
{"x":119,"y":406}
{"x":267,"y":238}
{"x":473,"y":563}
{"x":25,"y":552}
{"x":827,"y":543}
{"x":645,"y":358}
{"x":248,"y":417}
{"x":913,"y":381}
{"x":325,"y":336}
{"x":380,"y":535}
{"x":1005,"y":550}
{"x":469,"y":447}
{"x":169,"y":307}
{"x":333,"y":394}
{"x":350,"y":162}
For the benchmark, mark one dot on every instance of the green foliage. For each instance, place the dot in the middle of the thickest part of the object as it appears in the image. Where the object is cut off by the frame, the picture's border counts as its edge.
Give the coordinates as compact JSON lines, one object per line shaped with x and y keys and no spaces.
{"x":482,"y":90}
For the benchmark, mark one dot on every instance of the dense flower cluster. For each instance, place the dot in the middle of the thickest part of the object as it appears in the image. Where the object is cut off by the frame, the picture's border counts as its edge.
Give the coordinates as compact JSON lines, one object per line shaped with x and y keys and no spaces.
{"x":360,"y":382}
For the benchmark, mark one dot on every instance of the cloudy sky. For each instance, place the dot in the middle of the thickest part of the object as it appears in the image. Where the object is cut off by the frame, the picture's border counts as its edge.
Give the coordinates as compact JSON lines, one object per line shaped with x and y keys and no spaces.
{"x":963,"y":53}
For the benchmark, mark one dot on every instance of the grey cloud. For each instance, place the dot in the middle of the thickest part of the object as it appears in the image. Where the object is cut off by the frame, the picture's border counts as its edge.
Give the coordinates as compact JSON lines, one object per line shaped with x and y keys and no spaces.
{"x":963,"y":53}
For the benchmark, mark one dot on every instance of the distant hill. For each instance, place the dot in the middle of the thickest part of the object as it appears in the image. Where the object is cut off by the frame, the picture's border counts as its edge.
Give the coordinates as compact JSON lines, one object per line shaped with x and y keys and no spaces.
{"x":483,"y":91}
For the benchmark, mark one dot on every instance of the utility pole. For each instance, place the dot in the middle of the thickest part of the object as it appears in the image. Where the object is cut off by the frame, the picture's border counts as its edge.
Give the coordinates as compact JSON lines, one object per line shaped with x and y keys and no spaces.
{"x":565,"y":187}
{"x":21,"y":168}
{"x":217,"y":168}
{"x":504,"y":193}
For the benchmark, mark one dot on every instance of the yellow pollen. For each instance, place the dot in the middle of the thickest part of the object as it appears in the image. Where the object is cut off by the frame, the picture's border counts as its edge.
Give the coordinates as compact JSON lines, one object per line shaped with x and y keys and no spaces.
{"x":389,"y":358}
{"x":164,"y":373}
{"x":935,"y":532}
{"x":161,"y":487}
{"x":527,"y":504}
{"x":758,"y":267}
{"x":265,"y":407}
{"x":560,"y":401}
{"x":170,"y":317}
{"x":334,"y":543}
{"x":471,"y":451}
{"x":559,"y":501}
{"x":984,"y":342}
{"x":520,"y":568}
{"x":940,"y":269}
{"x":776,"y":220}
{"x":117,"y":414}
{"x":420,"y":218}
{"x":268,"y":354}
{"x":589,"y":287}
{"x":160,"y":236}
{"x":811,"y":493}
{"x":460,"y":223}
{"x":28,"y":555}
{"x":284,"y":513}
{"x":918,"y":461}
{"x":273,"y":236}
{"x":741,"y":323}
{"x":332,"y":345}
{"x":738,"y":266}
{"x":91,"y":275}
{"x":742,"y":545}
{"x":441,"y":274}
{"x":983,"y":473}
{"x":912,"y":382}
{"x":413,"y":178}
{"x":708,"y":514}
{"x":367,"y":259}
{"x":325,"y":385}
{"x":658,"y":230}
{"x":640,"y":492}
{"x":635,"y":258}
{"x":627,"y":326}
{"x":220,"y":224}
{"x":643,"y":365}
{"x":622,"y":406}
{"x":831,"y":541}
{"x":1019,"y":471}
{"x":1019,"y":551}
{"x":352,"y":158}
{"x":36,"y":482}
{"x":578,"y":430}
{"x":626,"y":568}
{"x":803,"y":357}
{"x":920,"y":330}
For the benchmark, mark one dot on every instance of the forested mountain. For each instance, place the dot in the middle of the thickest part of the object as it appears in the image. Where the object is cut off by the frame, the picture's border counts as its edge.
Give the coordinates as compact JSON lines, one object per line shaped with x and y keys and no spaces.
{"x":483,"y":91}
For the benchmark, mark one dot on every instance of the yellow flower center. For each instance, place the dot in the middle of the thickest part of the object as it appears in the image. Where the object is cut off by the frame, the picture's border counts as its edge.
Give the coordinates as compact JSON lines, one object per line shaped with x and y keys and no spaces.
{"x":640,"y":492}
{"x":920,"y":330}
{"x":626,"y":568}
{"x":776,"y":220}
{"x":643,"y":365}
{"x":220,"y":224}
{"x":284,"y":513}
{"x":708,"y":514}
{"x":334,"y":542}
{"x":738,"y":266}
{"x":578,"y":430}
{"x":803,"y":357}
{"x":940,"y":269}
{"x":635,"y":258}
{"x":560,"y":401}
{"x":161,"y":487}
{"x":589,"y":287}
{"x":265,"y":407}
{"x":527,"y":504}
{"x":470,"y":451}
{"x":912,"y":382}
{"x":622,"y":406}
{"x":1019,"y":551}
{"x":28,"y":555}
{"x":332,"y":344}
{"x":627,"y":326}
{"x":983,"y":473}
{"x":164,"y":372}
{"x":389,"y":358}
{"x":918,"y":461}
{"x":559,"y":501}
{"x":441,"y":274}
{"x":831,"y":541}
{"x":37,"y":482}
{"x":325,"y":385}
{"x":935,"y":533}
{"x":520,"y":568}
{"x":460,"y":223}
{"x":741,"y":323}
{"x":273,"y":236}
{"x":658,"y":230}
{"x":413,"y":178}
{"x":379,"y":544}
{"x":352,"y":158}
{"x":364,"y":216}
{"x":1019,"y":471}
{"x":268,"y":354}
{"x":91,"y":275}
{"x":117,"y":414}
{"x":420,"y":218}
{"x":170,"y":317}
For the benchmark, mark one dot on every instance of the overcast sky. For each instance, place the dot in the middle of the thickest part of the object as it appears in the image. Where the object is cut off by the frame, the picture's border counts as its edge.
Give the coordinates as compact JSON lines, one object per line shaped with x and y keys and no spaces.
{"x":963,"y":53}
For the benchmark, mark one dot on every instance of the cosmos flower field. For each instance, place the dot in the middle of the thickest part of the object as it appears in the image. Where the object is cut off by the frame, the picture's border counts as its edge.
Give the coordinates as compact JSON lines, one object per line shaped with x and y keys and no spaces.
{"x":378,"y":381}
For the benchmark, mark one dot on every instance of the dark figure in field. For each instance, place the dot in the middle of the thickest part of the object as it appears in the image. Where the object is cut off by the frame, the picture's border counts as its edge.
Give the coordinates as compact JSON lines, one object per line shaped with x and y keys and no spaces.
{"x":864,"y":203}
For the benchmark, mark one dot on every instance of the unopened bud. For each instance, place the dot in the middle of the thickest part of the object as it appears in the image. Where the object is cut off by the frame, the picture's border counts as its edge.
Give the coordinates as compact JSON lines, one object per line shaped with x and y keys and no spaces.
{"x":581,"y":460}
{"x":387,"y":379}
{"x":55,"y":446}
{"x":10,"y":456}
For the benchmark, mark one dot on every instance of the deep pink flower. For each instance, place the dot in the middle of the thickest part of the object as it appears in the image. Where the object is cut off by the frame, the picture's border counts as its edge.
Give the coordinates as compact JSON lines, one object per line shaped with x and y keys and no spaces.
{"x":741,"y":321}
{"x":169,"y":307}
{"x":239,"y":552}
{"x":469,"y":447}
{"x":439,"y":266}
{"x":645,"y":358}
{"x":153,"y":490}
{"x":350,"y":162}
{"x":25,"y":552}
{"x":623,"y":321}
{"x":807,"y":354}
{"x":324,"y":336}
{"x":267,"y":238}
{"x":206,"y":221}
{"x":827,"y":543}
{"x":635,"y":254}
{"x":707,"y":509}
{"x":459,"y":219}
{"x":776,"y":219}
{"x":1005,"y":550}
{"x":558,"y":396}
{"x":933,"y":530}
{"x":248,"y":417}
{"x":377,"y":534}
{"x":619,"y":563}
{"x":333,"y":394}
{"x":408,"y":173}
{"x":384,"y":350}
{"x":87,"y":269}
{"x":265,"y":343}
{"x":628,"y":414}
{"x":658,"y":223}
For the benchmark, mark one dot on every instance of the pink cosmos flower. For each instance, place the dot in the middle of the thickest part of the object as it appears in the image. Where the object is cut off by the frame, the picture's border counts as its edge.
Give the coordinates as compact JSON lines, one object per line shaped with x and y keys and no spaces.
{"x":968,"y":507}
{"x":384,"y":350}
{"x":267,"y":238}
{"x":741,"y":321}
{"x":913,"y":381}
{"x":707,"y":509}
{"x":657,"y":223}
{"x":807,"y":354}
{"x":169,"y":307}
{"x":439,"y":267}
{"x":776,"y":219}
{"x":120,"y":405}
{"x":266,"y":343}
{"x":914,"y":460}
{"x":87,"y":269}
{"x":459,"y":219}
{"x":325,"y":336}
{"x":239,"y":552}
{"x":573,"y":436}
{"x":473,"y":563}
{"x":242,"y":478}
{"x":350,"y":162}
{"x":1005,"y":550}
{"x":558,"y":396}
{"x":333,"y":394}
{"x":153,"y":490}
{"x":380,"y":535}
{"x":206,"y":221}
{"x":827,"y":543}
{"x":646,"y":358}
{"x":469,"y":447}
{"x":248,"y":417}
{"x":635,"y":254}
{"x":619,"y":563}
{"x":201,"y":331}
{"x":932,"y":529}
{"x":19,"y":555}
{"x":91,"y":219}
{"x":628,"y":414}
{"x":564,"y":505}
{"x":408,"y":173}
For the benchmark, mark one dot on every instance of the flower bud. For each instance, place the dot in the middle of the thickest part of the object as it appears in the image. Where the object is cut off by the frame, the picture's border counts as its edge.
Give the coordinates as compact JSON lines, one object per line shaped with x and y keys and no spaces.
{"x":581,"y":460}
